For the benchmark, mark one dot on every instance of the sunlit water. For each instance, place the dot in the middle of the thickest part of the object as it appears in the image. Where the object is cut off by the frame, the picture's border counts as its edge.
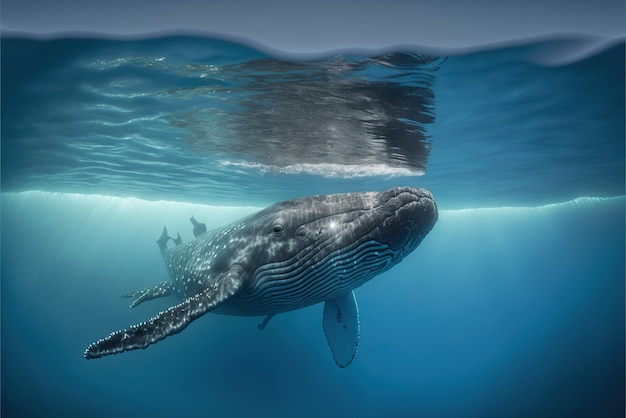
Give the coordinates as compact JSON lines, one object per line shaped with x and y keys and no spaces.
{"x":512,"y":306}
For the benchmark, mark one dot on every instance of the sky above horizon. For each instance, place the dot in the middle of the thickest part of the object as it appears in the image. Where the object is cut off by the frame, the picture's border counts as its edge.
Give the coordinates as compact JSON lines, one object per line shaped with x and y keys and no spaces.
{"x":323,"y":25}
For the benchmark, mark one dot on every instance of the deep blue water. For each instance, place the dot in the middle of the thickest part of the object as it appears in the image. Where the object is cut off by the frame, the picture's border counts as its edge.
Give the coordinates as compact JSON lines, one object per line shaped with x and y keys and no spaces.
{"x":512,"y":306}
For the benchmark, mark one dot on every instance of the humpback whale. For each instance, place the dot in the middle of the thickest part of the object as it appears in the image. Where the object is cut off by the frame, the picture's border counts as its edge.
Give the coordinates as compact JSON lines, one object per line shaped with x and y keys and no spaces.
{"x":288,"y":256}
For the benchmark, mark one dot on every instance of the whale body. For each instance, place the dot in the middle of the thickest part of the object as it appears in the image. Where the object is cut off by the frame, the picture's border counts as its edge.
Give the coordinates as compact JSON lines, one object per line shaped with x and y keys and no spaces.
{"x":288,"y":256}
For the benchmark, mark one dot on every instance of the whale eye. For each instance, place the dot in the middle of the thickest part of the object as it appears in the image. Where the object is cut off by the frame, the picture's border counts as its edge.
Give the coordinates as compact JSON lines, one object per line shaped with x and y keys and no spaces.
{"x":278,"y":229}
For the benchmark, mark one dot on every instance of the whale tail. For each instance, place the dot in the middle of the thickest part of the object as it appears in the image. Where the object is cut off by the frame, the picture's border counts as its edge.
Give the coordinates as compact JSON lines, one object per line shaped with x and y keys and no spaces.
{"x":165,"y":238}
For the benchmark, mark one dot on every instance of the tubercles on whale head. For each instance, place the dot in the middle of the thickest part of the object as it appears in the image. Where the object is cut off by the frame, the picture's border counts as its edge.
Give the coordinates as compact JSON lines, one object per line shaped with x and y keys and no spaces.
{"x":405,"y":215}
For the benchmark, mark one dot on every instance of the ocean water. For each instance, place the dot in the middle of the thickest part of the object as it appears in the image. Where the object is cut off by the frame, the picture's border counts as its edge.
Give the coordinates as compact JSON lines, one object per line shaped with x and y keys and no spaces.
{"x":512,"y":306}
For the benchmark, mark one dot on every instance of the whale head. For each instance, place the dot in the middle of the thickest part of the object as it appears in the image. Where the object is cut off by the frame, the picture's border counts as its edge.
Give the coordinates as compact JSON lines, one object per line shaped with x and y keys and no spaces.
{"x":318,"y":247}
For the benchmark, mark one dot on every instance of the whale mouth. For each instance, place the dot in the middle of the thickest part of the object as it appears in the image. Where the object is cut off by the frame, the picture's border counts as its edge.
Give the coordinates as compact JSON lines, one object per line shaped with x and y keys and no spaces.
{"x":405,"y":216}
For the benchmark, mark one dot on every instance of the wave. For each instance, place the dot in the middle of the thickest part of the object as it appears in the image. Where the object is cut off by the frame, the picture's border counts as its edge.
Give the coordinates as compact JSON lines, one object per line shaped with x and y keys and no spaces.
{"x":576,"y":203}
{"x":346,"y":171}
{"x":553,"y":49}
{"x":163,"y":209}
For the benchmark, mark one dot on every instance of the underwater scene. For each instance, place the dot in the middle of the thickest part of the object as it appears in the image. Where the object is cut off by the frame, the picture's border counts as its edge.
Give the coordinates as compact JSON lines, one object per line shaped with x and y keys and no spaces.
{"x":498,"y":292}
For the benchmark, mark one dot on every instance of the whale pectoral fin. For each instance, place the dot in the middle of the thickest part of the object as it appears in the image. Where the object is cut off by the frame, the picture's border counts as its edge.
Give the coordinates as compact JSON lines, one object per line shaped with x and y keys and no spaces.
{"x":168,"y":322}
{"x":158,"y":291}
{"x":342,"y":329}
